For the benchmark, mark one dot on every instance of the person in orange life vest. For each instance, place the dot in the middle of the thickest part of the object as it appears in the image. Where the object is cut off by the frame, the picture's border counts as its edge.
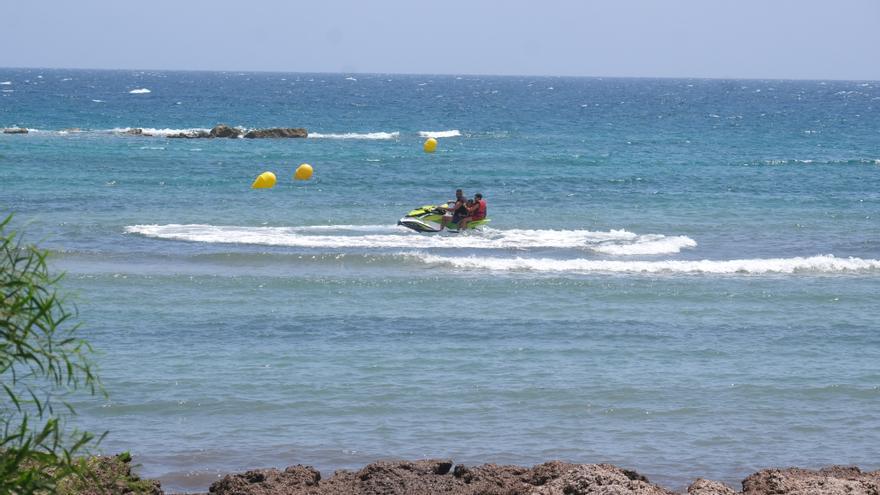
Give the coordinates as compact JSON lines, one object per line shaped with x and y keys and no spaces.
{"x":475,"y":212}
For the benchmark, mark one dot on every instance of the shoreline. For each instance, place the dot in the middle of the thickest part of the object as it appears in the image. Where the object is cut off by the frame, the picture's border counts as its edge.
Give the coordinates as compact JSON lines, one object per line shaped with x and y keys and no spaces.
{"x":443,"y":476}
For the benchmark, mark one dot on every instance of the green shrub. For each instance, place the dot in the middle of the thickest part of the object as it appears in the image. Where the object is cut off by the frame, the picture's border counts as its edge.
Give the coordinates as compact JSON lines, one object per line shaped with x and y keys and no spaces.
{"x":42,"y":362}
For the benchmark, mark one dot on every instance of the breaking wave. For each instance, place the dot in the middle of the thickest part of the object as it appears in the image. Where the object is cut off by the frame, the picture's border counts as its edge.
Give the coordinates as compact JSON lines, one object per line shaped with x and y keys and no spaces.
{"x":440,"y":134}
{"x":149,"y":131}
{"x":813,"y":264}
{"x":614,"y":242}
{"x":355,"y":135}
{"x":139,"y":91}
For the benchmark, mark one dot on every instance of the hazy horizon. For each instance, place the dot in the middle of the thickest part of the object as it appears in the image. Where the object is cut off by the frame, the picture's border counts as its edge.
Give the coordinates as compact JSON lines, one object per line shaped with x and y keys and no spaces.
{"x":258,"y":71}
{"x":701,"y":39}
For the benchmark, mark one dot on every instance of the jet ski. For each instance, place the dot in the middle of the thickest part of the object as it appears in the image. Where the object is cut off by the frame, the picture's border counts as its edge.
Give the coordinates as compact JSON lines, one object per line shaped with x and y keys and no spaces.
{"x":428,"y":218}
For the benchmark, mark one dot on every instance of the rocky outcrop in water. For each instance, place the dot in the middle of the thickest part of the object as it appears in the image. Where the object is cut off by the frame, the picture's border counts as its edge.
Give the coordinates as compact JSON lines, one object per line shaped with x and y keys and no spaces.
{"x":194,"y":134}
{"x":224,"y":131}
{"x":15,"y":130}
{"x":277,"y":132}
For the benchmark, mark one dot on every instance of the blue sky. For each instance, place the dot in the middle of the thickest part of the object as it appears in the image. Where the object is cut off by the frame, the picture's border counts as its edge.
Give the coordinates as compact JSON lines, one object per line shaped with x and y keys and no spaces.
{"x":798,"y":39}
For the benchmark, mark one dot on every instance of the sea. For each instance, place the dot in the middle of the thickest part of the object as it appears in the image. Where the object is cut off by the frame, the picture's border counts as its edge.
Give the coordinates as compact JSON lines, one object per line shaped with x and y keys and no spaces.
{"x":680,"y":276}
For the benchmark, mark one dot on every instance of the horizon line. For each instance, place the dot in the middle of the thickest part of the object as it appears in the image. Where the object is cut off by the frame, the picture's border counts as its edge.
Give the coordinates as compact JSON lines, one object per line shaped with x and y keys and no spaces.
{"x":449,"y":74}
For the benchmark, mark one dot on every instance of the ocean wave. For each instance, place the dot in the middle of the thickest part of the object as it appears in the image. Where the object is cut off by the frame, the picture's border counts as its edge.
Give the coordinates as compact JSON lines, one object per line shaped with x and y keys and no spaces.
{"x":149,"y":131}
{"x":356,"y":135}
{"x":614,"y":242}
{"x":6,"y":83}
{"x":810,"y":161}
{"x":139,"y":91}
{"x":440,"y":134}
{"x":814,"y":264}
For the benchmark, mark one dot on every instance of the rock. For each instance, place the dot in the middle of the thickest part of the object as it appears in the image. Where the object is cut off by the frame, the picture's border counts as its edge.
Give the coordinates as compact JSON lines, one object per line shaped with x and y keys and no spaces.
{"x":194,"y":134}
{"x":492,"y":479}
{"x":600,"y":479}
{"x":224,"y":131}
{"x":135,"y":131}
{"x":294,"y":479}
{"x":434,"y":477}
{"x":834,"y":480}
{"x":708,"y":487}
{"x":277,"y":132}
{"x":15,"y":130}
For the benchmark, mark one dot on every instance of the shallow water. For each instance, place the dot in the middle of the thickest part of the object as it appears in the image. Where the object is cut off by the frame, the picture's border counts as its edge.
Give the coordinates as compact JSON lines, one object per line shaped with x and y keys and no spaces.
{"x":680,"y":276}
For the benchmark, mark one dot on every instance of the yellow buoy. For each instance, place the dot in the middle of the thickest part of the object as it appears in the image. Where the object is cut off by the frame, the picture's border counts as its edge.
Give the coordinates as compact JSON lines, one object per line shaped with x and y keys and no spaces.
{"x":430,"y":145}
{"x":303,"y":172}
{"x":266,"y":180}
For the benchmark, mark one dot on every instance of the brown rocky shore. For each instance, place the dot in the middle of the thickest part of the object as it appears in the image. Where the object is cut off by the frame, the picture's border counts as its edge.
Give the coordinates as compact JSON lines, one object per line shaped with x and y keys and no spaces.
{"x":443,"y":477}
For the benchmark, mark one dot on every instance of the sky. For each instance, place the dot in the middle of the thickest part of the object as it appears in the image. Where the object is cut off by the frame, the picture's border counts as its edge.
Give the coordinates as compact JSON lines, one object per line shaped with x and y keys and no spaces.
{"x":786,"y":39}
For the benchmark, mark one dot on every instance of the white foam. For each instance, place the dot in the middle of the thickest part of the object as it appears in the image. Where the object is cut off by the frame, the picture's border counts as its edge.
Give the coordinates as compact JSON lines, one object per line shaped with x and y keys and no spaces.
{"x":614,"y":242}
{"x":8,"y":90}
{"x":350,"y":79}
{"x":98,"y":101}
{"x":814,"y":264}
{"x":356,"y":135}
{"x":149,"y":131}
{"x":139,"y":91}
{"x":6,"y":83}
{"x":440,"y":134}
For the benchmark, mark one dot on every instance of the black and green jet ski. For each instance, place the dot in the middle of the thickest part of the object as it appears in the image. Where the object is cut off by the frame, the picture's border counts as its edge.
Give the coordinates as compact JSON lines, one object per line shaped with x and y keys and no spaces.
{"x":427,"y":219}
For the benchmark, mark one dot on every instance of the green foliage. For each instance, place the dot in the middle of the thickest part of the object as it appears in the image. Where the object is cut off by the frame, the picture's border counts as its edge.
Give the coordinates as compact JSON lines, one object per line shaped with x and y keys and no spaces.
{"x":42,"y":362}
{"x":108,"y":475}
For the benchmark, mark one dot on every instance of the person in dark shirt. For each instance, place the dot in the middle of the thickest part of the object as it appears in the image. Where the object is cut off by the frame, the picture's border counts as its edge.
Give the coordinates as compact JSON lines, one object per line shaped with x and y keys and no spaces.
{"x":475,"y":212}
{"x":459,"y":210}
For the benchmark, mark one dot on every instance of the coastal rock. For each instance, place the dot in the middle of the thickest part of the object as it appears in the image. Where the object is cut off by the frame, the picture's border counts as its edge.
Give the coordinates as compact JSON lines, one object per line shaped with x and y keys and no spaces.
{"x":135,"y":131}
{"x":277,"y":132}
{"x":293,"y":480}
{"x":834,"y":480}
{"x":493,"y":479}
{"x":600,"y":479}
{"x":434,"y":477}
{"x":194,"y":134}
{"x":708,"y":487}
{"x":15,"y":130}
{"x":224,"y":131}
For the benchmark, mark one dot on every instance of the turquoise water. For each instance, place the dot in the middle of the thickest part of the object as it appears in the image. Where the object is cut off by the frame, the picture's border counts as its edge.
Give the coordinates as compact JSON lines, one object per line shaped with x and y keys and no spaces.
{"x":680,"y":276}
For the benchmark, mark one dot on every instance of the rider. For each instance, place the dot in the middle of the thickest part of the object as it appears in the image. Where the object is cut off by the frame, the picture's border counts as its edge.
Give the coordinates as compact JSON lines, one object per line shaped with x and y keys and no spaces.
{"x":476,"y":212}
{"x":459,"y":210}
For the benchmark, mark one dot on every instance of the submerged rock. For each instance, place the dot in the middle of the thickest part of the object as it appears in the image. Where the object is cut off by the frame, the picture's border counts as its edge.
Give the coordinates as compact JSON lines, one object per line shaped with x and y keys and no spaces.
{"x":194,"y":134}
{"x":15,"y":130}
{"x":277,"y":132}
